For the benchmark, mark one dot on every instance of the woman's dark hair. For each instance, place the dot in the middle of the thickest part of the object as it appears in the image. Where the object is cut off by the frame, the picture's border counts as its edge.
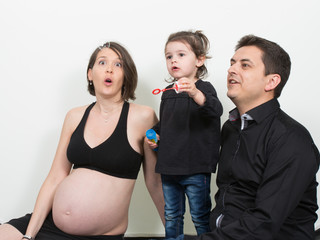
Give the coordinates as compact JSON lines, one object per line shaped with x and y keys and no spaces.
{"x":130,"y":80}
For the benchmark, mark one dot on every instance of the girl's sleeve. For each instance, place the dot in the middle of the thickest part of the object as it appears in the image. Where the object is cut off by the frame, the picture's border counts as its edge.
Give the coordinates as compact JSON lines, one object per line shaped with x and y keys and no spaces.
{"x":212,"y":106}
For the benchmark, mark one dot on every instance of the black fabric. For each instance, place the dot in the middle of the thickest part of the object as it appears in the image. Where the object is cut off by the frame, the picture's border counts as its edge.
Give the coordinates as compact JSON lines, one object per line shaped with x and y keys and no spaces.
{"x":317,"y":234}
{"x":189,"y":133}
{"x":266,"y":179}
{"x":114,"y":156}
{"x":49,"y":231}
{"x":186,"y":237}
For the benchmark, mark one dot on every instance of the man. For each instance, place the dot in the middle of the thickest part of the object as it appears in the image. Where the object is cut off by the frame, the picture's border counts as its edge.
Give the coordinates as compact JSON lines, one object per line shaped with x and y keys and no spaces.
{"x":268,"y":161}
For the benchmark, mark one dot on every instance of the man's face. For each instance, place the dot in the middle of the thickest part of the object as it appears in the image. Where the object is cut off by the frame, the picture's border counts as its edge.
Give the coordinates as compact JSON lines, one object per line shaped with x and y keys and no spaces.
{"x":246,"y":77}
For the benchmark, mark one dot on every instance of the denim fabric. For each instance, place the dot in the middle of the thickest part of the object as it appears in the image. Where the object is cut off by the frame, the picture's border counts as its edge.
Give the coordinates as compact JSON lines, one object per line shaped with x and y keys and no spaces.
{"x":197,"y":189}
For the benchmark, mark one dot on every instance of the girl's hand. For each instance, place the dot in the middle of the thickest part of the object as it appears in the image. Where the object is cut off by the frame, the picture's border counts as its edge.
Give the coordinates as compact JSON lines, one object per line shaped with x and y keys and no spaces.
{"x":188,"y":86}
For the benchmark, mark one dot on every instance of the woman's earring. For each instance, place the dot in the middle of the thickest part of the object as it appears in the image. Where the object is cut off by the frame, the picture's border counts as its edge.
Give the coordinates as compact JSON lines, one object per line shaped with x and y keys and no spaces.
{"x":90,"y":83}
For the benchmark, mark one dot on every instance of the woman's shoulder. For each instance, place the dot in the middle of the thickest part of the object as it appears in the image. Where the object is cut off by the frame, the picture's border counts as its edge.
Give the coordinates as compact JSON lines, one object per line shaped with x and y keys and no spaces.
{"x":141,"y":109}
{"x":75,"y":114}
{"x":143,"y":113}
{"x":79,"y":110}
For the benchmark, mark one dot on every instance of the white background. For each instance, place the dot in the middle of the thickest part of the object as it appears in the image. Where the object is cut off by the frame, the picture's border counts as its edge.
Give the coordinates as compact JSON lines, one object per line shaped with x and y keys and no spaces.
{"x":45,"y":47}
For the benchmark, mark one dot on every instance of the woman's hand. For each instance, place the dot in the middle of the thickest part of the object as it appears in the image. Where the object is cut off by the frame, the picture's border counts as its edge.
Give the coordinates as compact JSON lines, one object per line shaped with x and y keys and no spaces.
{"x":152,"y":144}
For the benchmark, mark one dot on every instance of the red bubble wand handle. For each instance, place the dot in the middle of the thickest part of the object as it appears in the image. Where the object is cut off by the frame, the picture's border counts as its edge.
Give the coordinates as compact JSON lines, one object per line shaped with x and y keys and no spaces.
{"x":158,"y":90}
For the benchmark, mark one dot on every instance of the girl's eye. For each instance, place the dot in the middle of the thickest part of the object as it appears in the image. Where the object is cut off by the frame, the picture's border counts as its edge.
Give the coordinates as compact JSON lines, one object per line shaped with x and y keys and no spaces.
{"x":102,"y":62}
{"x":181,"y":54}
{"x":169,"y":57}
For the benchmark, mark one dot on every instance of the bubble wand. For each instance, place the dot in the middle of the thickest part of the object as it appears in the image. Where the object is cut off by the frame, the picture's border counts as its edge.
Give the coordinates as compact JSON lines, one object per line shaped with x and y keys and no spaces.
{"x":158,"y":90}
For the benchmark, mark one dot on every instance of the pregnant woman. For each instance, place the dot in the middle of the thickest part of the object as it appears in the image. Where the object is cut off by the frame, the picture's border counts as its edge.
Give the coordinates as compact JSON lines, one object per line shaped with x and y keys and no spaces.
{"x":87,"y":192}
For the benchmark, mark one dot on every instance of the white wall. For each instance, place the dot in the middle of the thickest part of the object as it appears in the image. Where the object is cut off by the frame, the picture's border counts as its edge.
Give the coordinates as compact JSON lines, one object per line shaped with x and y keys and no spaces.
{"x":45,"y":47}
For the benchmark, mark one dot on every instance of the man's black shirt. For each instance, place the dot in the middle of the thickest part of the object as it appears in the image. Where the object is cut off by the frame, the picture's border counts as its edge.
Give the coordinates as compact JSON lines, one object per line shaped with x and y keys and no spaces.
{"x":266,"y":178}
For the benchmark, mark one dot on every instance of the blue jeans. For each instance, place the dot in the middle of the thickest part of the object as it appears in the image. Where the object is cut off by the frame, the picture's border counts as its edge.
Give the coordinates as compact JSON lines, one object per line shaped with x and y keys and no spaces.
{"x":197,"y":189}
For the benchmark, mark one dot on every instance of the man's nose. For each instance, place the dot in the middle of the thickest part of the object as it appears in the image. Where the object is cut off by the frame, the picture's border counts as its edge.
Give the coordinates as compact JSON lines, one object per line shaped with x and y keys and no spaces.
{"x":232,"y":69}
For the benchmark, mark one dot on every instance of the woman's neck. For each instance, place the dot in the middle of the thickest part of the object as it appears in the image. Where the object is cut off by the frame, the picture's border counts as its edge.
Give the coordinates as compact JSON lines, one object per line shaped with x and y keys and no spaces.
{"x":108,"y":105}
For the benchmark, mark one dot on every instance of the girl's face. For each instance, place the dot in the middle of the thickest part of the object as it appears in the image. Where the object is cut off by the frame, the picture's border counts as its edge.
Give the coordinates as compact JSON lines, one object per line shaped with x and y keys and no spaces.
{"x":107,"y":73}
{"x":181,"y":60}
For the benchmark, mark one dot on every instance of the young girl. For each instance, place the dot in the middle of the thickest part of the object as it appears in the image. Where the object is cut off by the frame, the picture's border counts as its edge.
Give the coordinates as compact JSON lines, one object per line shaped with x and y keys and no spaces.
{"x":189,"y":129}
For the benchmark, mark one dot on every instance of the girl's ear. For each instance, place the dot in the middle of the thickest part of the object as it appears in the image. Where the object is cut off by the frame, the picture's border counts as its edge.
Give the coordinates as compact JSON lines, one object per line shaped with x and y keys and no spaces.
{"x":273,"y":82}
{"x":200,"y":61}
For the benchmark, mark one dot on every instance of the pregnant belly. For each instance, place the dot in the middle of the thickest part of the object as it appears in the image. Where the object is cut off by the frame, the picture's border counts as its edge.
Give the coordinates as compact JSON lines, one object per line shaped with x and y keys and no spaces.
{"x":88,"y":202}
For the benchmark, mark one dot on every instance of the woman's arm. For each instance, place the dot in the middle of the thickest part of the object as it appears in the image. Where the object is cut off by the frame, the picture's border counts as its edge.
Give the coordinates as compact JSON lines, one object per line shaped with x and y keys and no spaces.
{"x":153,"y":179}
{"x":60,"y":169}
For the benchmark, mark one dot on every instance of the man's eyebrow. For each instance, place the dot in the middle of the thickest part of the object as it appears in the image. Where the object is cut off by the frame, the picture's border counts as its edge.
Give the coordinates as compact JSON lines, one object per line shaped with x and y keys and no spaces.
{"x":245,"y":60}
{"x":241,"y":60}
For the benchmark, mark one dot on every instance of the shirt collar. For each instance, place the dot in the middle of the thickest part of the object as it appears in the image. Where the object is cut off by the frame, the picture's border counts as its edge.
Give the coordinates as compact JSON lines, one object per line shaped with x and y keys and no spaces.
{"x":258,"y":113}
